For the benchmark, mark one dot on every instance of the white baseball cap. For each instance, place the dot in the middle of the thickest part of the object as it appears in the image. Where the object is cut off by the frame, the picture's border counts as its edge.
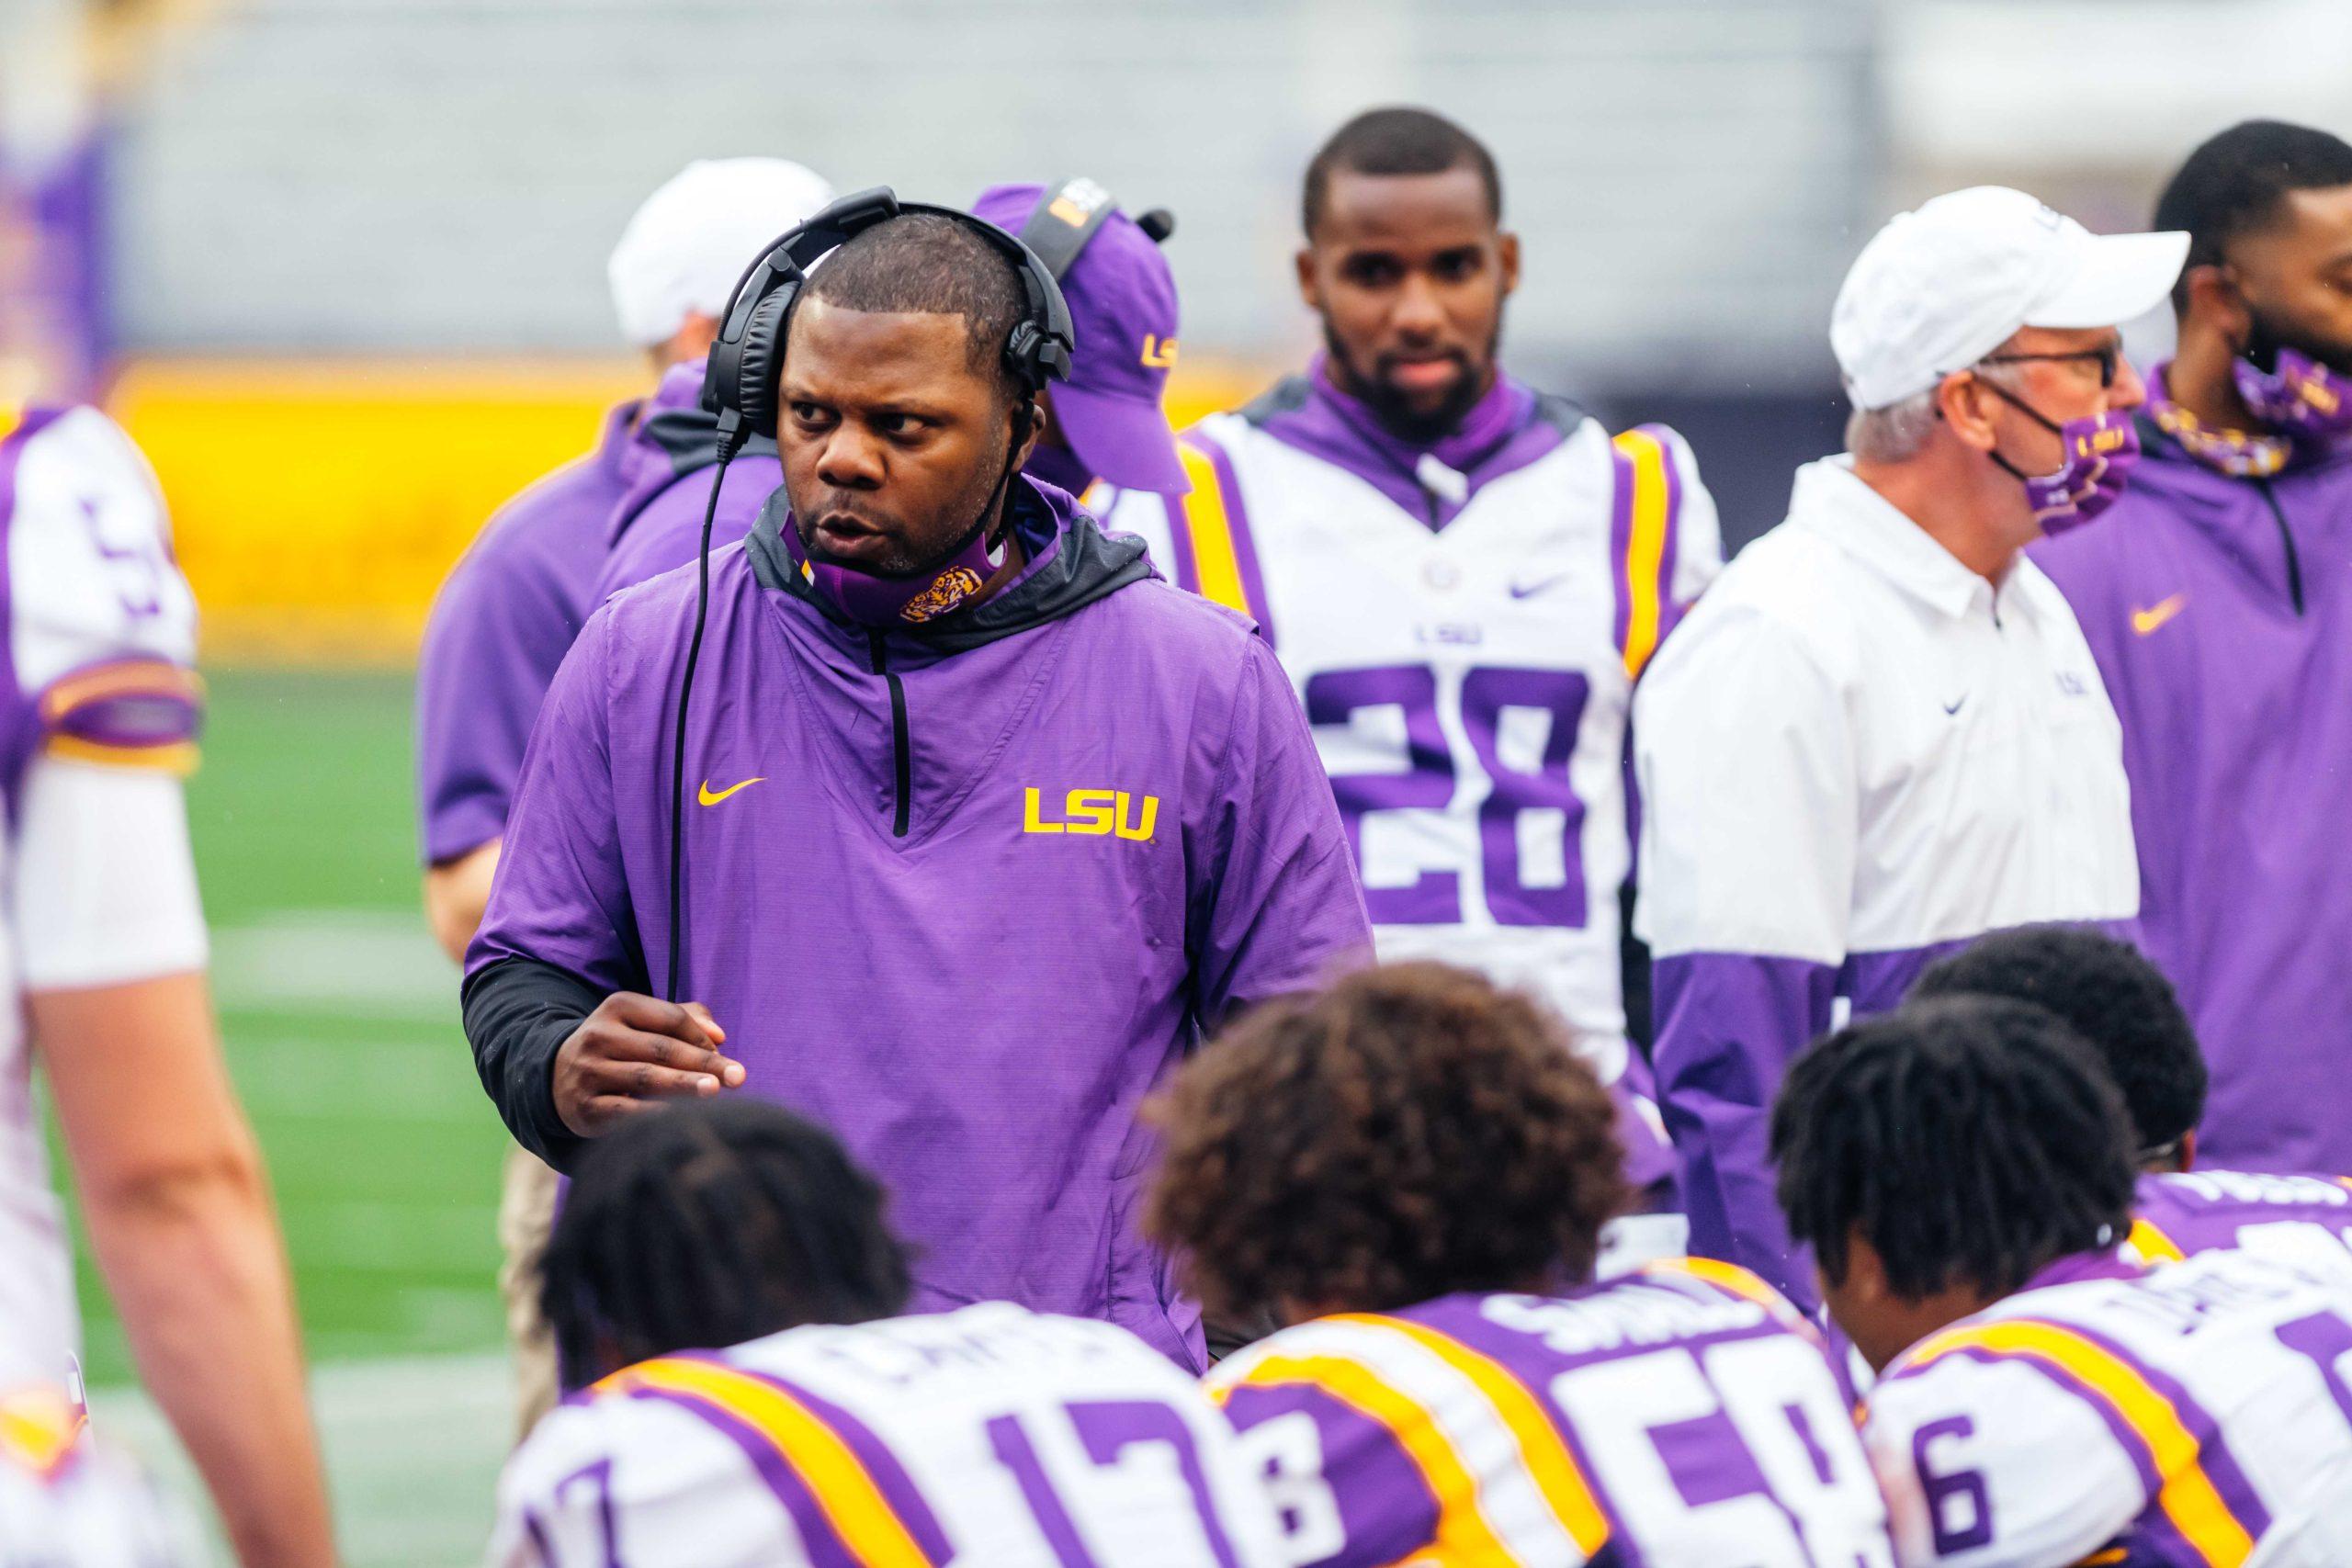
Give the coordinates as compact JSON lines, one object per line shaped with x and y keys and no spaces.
{"x":1938,"y":289}
{"x":685,"y":247}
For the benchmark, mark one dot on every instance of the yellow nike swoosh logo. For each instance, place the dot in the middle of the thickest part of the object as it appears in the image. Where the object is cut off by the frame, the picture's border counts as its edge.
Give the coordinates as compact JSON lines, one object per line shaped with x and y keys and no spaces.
{"x":2157,"y":615}
{"x":705,"y":795}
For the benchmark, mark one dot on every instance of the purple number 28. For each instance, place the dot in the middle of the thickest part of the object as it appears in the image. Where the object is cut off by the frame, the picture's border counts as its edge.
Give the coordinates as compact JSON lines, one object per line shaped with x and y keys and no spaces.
{"x":1427,"y":784}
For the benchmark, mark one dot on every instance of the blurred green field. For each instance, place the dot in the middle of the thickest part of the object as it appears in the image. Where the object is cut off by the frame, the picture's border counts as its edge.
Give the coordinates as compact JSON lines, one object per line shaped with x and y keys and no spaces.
{"x":340,"y":1021}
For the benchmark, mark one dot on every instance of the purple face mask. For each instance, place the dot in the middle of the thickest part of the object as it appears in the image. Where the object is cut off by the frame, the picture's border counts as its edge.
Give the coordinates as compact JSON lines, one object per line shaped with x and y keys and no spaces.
{"x":866,"y":598}
{"x":2302,"y":398}
{"x":2099,"y":451}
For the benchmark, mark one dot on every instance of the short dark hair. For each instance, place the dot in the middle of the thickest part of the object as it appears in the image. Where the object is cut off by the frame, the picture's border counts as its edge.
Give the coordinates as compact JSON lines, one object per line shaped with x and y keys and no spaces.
{"x":1399,"y":140}
{"x":2234,"y":183}
{"x":1971,"y":1141}
{"x":930,"y":264}
{"x":1408,"y":1132}
{"x":701,"y":1225}
{"x":2109,"y":994}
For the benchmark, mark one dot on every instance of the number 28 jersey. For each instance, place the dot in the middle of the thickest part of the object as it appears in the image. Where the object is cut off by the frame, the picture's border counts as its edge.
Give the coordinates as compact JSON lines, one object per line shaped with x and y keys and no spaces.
{"x":1465,"y":639}
{"x":1684,"y":1417}
{"x":990,"y":1436}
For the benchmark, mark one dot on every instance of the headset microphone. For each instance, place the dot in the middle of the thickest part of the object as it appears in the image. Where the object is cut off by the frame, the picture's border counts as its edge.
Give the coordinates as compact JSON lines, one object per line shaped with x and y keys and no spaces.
{"x":740,"y":386}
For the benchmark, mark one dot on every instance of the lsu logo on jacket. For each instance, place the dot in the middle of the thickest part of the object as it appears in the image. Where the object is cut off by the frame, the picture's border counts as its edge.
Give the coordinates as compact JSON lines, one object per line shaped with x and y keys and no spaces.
{"x":1098,"y":813}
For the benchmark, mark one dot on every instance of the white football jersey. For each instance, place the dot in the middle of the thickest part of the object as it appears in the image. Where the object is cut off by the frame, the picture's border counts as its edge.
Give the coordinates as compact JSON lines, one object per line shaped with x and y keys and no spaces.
{"x":988,"y":1436}
{"x":2200,"y":1412}
{"x":67,"y":1503}
{"x":1465,"y":645}
{"x":100,"y":634}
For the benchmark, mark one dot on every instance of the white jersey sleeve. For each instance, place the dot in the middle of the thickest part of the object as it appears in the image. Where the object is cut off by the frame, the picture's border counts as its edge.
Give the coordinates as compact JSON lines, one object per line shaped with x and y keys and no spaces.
{"x":1993,"y":1464}
{"x":1699,"y":546}
{"x":101,"y":634}
{"x":105,"y":891}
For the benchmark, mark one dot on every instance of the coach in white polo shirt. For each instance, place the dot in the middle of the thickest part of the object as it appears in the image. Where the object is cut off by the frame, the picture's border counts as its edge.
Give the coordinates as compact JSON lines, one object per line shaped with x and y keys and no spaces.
{"x":1881,"y":734}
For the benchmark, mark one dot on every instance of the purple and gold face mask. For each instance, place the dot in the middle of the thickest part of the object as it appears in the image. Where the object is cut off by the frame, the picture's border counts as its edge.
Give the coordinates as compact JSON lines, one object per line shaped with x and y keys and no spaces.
{"x":871,"y":599}
{"x":2299,"y":397}
{"x":2099,"y":451}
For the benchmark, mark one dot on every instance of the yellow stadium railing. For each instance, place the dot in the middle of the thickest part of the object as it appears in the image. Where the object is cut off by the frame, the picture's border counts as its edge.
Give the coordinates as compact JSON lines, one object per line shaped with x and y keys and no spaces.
{"x":318,"y":504}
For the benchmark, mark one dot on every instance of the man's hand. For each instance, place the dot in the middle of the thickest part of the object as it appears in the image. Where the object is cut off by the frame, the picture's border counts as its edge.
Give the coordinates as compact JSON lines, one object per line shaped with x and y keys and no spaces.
{"x":634,"y":1052}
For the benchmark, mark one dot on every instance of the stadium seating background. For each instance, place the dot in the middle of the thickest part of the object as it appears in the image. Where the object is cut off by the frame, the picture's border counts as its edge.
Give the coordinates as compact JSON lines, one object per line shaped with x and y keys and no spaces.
{"x":346,"y":259}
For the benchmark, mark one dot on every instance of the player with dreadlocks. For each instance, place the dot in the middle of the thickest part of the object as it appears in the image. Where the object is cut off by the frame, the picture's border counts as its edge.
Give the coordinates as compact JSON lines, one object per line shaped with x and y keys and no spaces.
{"x":1962,"y":1169}
{"x":1412,"y":1168}
{"x":2119,"y":1001}
{"x":723,"y":1272}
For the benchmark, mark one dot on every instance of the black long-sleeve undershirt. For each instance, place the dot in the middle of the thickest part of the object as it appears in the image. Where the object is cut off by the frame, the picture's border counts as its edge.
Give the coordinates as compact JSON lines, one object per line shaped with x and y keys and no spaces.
{"x":518,"y":1012}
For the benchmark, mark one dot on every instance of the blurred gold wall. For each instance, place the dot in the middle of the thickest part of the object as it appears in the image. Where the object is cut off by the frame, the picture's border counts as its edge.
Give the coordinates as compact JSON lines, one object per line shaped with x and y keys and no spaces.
{"x":318,"y":504}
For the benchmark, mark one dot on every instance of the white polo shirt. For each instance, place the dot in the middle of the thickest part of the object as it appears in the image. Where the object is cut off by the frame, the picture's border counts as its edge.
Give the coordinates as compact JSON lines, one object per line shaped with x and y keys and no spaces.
{"x":1854,"y":756}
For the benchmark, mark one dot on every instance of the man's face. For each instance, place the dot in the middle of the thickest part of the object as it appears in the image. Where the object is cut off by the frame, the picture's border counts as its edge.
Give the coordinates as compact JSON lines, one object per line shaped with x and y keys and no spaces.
{"x":1410,"y":273}
{"x":2295,"y":276}
{"x":2059,"y":388}
{"x":891,"y":442}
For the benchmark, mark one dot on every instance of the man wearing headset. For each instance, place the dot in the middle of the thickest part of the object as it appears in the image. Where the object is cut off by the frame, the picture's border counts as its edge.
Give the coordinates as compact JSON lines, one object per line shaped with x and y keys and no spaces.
{"x":513,"y":604}
{"x":987,"y":823}
{"x":1104,"y":424}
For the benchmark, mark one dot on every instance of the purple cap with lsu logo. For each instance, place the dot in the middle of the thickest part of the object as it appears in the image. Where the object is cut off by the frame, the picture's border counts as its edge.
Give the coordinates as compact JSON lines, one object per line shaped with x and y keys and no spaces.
{"x":1123,"y":301}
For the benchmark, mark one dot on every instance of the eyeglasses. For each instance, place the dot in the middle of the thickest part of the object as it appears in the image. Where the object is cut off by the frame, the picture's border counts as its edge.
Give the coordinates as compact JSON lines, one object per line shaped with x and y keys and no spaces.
{"x":2109,"y":355}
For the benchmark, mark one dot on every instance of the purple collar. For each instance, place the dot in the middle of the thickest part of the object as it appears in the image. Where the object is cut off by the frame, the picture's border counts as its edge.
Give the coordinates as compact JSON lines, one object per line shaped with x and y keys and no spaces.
{"x":1504,"y":431}
{"x":2077,"y":1267}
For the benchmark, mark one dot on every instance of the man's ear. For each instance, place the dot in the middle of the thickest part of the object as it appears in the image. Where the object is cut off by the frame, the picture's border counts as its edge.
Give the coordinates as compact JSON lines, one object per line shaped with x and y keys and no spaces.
{"x":1031,"y":426}
{"x":2216,"y":303}
{"x":1968,"y":408}
{"x":1309,"y":289}
{"x":2187,"y":1150}
{"x":1507,"y":251}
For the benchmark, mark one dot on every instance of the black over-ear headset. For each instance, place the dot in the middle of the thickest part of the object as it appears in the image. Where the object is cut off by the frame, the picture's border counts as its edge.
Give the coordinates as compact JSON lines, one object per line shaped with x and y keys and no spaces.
{"x":740,"y":381}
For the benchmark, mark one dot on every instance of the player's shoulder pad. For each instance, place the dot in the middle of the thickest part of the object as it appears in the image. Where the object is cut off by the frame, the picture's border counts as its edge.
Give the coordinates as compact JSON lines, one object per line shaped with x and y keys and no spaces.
{"x":1286,"y":396}
{"x":101,"y":626}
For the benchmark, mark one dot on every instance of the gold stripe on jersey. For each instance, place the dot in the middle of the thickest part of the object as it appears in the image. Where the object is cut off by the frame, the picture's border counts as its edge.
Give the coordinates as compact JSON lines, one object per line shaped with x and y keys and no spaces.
{"x":38,"y":1429}
{"x":2152,"y":1245}
{"x":178,"y":758}
{"x":1546,"y":1454}
{"x":1645,"y":546}
{"x":2186,"y":1494}
{"x":1464,"y":1536}
{"x":129,"y":677}
{"x":1210,"y":532}
{"x":851,"y":1500}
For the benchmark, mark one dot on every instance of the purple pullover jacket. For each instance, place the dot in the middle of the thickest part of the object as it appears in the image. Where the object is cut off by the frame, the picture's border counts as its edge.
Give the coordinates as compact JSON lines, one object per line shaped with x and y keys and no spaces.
{"x":499,"y":627}
{"x":2220,"y":612}
{"x":963,"y":896}
{"x":656,"y":524}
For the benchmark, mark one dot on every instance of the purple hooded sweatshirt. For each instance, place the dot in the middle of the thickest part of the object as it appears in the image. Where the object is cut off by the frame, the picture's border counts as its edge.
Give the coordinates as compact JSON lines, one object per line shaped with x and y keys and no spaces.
{"x":964,"y":896}
{"x":656,"y":524}
{"x":2220,"y":612}
{"x":499,"y":627}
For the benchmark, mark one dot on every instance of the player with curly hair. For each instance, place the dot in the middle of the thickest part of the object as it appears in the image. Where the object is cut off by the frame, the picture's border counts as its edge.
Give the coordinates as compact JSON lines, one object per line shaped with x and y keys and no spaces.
{"x":1411,"y":1170}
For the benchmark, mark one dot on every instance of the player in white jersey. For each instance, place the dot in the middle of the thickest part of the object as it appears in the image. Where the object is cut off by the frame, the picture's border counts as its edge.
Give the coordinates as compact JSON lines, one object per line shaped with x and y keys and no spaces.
{"x":1414,"y":1170}
{"x":1463,"y":577}
{"x":832,"y":1433}
{"x":104,"y":936}
{"x":2121,"y":1004}
{"x":67,"y":1503}
{"x":1963,"y":1169}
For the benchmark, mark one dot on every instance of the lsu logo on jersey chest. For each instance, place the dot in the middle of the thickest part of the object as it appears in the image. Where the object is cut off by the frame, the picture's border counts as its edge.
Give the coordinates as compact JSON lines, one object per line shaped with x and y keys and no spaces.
{"x":1090,"y":813}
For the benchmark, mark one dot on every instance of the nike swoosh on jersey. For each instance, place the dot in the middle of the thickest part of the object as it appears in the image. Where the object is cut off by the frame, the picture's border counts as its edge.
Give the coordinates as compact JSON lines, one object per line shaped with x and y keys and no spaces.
{"x":1528,"y":590}
{"x":1955,"y":704}
{"x":2157,"y":615}
{"x":706,"y":797}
